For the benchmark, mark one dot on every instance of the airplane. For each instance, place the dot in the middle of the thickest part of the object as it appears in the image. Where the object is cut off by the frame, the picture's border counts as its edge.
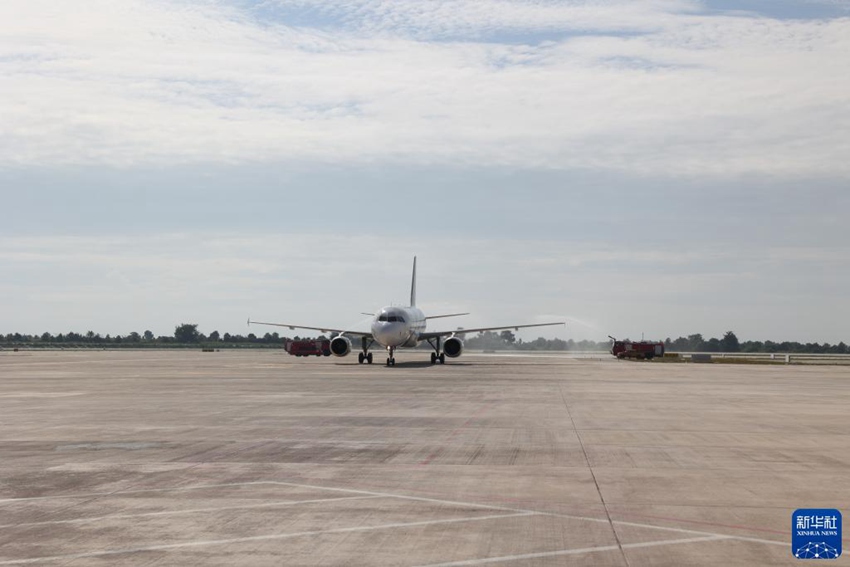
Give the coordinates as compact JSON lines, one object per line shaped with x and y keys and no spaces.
{"x":402,"y":327}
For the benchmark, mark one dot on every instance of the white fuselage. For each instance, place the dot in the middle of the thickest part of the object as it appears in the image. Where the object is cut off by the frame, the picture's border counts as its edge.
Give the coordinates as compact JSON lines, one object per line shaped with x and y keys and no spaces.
{"x":398,"y":326}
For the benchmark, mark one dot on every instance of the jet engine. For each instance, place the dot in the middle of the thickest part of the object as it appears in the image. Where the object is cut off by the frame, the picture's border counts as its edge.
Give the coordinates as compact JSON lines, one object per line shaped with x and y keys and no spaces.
{"x":340,"y":346}
{"x":453,"y":347}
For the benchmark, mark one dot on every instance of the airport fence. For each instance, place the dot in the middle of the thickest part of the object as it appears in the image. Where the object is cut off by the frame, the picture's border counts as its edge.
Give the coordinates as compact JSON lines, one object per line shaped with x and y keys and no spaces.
{"x":769,"y":357}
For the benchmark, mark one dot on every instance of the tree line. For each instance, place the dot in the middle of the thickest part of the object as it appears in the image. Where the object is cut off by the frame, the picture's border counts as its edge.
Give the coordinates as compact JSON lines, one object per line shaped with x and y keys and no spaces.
{"x":187,"y":335}
{"x":729,"y":342}
{"x":506,"y":340}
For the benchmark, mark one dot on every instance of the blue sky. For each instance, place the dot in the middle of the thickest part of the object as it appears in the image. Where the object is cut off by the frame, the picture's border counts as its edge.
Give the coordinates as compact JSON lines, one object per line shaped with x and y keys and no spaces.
{"x":665,"y":167}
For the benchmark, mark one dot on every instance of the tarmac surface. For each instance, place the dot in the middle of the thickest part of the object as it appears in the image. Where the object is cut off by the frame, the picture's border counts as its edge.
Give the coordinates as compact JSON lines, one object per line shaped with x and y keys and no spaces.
{"x":259,"y":458}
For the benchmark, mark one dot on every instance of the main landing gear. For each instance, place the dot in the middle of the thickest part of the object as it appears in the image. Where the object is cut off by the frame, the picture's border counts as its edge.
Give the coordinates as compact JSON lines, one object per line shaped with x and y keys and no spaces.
{"x":437,"y":355}
{"x":435,"y":358}
{"x":365,"y":356}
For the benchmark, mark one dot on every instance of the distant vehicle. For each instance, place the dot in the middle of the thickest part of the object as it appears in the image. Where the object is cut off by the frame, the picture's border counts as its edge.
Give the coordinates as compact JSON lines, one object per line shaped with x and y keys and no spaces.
{"x":643,"y":350}
{"x":400,"y":327}
{"x":308,"y":347}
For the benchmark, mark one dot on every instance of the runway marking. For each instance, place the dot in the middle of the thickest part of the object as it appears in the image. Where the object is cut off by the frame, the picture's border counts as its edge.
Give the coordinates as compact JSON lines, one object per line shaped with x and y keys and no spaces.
{"x":686,"y":531}
{"x":537,"y":512}
{"x":715,"y":524}
{"x":268,"y":537}
{"x":579,"y":551}
{"x":41,"y":394}
{"x":391,"y":495}
{"x":406,"y":497}
{"x":138,"y":491}
{"x":515,"y":512}
{"x":278,"y":504}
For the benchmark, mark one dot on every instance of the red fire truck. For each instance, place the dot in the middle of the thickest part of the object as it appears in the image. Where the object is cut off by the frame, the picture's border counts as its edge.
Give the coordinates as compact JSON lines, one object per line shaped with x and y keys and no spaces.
{"x":308,"y":347}
{"x":643,"y":350}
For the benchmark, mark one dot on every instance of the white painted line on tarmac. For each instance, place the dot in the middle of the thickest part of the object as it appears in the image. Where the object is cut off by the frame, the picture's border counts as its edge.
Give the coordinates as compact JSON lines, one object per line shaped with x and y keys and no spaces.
{"x":579,"y":551}
{"x":269,"y":537}
{"x":538,"y":512}
{"x":400,"y":496}
{"x":420,"y":499}
{"x":278,"y":504}
{"x":41,"y":394}
{"x":698,"y":532}
{"x":485,"y":560}
{"x":759,"y":540}
{"x":138,"y":491}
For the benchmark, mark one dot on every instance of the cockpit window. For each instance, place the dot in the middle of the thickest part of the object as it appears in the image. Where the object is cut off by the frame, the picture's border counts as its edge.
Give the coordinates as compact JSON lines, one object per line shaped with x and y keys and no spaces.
{"x":385,"y":318}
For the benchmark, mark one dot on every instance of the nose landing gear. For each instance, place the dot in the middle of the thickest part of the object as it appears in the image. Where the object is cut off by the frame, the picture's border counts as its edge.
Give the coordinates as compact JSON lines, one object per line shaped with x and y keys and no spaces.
{"x":391,"y":358}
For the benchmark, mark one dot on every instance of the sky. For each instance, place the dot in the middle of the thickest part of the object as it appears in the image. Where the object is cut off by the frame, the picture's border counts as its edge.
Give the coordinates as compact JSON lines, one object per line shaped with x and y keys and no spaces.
{"x":657,"y":167}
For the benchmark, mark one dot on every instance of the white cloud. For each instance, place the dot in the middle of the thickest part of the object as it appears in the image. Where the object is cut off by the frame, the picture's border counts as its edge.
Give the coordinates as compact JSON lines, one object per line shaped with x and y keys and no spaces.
{"x":131,"y":82}
{"x":440,"y":18}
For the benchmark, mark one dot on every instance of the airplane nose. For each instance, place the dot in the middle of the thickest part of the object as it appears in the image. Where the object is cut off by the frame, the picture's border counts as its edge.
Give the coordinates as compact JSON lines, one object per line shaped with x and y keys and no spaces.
{"x":389,"y":333}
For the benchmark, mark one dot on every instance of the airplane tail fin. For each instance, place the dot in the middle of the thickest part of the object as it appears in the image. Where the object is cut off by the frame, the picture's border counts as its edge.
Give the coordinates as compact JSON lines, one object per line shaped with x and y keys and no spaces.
{"x":413,"y":285}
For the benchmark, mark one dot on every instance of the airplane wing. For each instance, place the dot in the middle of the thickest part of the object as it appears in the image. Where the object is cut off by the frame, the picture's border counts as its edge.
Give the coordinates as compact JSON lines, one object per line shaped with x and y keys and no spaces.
{"x":444,"y":316}
{"x":322,"y":329}
{"x":434,"y":335}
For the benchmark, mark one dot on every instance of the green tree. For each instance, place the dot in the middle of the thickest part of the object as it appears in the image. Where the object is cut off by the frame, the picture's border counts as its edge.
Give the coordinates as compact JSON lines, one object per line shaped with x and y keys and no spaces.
{"x":695,"y":342}
{"x":487,"y":340}
{"x":508,"y":337}
{"x":214,"y":336}
{"x":729,"y":342}
{"x":186,"y":333}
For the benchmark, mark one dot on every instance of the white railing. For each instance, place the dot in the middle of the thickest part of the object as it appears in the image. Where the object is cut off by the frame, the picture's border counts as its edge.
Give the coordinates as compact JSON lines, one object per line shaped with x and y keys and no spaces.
{"x":786,"y":357}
